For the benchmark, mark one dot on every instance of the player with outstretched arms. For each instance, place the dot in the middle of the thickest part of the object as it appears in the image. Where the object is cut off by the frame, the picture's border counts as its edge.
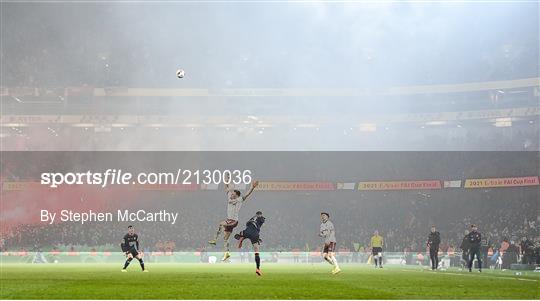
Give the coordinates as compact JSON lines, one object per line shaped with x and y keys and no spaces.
{"x":235,"y":200}
{"x":328,"y":232}
{"x":130,"y":247}
{"x":251,"y":232}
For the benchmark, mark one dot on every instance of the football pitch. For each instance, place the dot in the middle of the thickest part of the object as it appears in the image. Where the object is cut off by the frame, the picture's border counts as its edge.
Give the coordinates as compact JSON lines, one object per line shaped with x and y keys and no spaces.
{"x":238,"y":281}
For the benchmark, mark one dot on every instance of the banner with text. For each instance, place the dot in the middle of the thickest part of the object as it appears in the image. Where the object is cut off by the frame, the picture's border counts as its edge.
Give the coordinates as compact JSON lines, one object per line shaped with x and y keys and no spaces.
{"x":502,"y":182}
{"x":400,"y":185}
{"x":300,"y":186}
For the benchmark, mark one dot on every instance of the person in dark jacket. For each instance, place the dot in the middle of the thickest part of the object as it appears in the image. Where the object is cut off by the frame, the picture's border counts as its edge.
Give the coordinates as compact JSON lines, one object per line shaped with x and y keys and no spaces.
{"x":527,"y":250}
{"x":474,"y":238}
{"x":434,"y":240}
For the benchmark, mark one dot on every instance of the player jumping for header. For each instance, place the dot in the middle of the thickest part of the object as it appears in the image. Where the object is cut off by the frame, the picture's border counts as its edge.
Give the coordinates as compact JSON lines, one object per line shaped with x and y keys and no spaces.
{"x":235,"y":200}
{"x":328,"y":232}
{"x":253,"y":228}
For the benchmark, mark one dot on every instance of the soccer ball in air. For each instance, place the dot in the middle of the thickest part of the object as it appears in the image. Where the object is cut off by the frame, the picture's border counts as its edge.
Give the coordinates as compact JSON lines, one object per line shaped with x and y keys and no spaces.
{"x":180,"y":73}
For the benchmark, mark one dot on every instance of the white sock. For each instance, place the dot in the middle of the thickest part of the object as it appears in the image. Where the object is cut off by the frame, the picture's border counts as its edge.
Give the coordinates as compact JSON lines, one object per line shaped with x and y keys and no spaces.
{"x":333,"y":258}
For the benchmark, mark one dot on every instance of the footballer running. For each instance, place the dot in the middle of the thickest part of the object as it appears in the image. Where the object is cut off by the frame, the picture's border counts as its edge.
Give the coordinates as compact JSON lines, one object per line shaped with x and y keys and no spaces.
{"x":130,"y":247}
{"x":328,"y":232}
{"x":235,"y":200}
{"x":251,"y":232}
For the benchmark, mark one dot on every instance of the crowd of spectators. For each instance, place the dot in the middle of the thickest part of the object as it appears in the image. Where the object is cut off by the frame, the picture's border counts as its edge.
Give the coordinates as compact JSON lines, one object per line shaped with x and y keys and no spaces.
{"x":100,"y":54}
{"x":402,"y":218}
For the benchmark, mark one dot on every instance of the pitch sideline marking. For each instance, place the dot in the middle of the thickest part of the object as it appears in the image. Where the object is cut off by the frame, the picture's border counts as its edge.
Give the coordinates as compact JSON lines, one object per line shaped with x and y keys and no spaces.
{"x":458,"y":274}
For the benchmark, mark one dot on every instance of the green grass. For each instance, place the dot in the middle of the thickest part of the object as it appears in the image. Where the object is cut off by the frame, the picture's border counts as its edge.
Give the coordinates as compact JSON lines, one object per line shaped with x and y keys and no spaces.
{"x":229,"y":281}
